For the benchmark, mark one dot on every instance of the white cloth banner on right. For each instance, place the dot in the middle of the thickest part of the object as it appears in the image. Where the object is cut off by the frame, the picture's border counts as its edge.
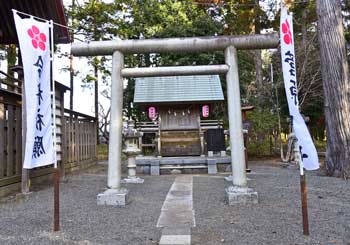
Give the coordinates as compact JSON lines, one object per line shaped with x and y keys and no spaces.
{"x":34,"y":44}
{"x":307,"y":148}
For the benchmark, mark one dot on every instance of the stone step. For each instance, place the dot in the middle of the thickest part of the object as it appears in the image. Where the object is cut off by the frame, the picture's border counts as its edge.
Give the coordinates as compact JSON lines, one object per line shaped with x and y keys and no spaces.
{"x":183,"y":167}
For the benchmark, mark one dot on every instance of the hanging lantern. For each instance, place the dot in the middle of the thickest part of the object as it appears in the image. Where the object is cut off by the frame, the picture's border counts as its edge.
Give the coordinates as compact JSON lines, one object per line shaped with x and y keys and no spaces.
{"x":205,"y":111}
{"x":152,"y":112}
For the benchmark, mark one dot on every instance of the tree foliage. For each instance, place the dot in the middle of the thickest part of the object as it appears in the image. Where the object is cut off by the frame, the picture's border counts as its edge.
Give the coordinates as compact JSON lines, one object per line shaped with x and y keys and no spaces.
{"x":139,"y":19}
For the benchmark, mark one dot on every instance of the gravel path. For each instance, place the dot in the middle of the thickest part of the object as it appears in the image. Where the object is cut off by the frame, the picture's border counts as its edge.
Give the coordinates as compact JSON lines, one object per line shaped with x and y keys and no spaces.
{"x":277,"y":217}
{"x":275,"y":220}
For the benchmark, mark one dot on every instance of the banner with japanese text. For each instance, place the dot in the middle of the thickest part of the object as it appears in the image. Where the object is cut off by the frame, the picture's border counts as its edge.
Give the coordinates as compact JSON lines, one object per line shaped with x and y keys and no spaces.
{"x":307,"y":148}
{"x":34,"y":43}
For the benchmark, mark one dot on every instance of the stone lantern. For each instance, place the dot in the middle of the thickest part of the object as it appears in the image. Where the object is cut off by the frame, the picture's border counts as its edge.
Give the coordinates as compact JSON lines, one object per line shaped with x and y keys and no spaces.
{"x":132,"y":149}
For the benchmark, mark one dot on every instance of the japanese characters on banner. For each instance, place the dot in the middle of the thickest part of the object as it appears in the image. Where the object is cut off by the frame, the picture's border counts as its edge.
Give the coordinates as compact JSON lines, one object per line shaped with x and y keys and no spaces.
{"x":34,"y":44}
{"x":307,"y":149}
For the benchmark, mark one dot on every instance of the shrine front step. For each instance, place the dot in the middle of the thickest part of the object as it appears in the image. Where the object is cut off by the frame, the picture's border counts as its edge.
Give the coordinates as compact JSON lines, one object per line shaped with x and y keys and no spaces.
{"x":183,"y":169}
{"x":190,"y":165}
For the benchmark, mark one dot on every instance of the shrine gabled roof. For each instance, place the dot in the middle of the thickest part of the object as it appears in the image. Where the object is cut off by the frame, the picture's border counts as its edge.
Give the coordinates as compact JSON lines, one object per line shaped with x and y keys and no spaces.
{"x":178,"y":89}
{"x":46,"y":9}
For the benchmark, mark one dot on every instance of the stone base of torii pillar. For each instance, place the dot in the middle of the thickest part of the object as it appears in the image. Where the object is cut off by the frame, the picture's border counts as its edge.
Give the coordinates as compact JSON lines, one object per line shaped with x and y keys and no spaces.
{"x":240,"y":195}
{"x":113,"y":197}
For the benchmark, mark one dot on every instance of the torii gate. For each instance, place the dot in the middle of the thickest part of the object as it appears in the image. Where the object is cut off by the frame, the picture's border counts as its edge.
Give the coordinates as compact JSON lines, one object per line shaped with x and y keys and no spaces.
{"x":239,"y":192}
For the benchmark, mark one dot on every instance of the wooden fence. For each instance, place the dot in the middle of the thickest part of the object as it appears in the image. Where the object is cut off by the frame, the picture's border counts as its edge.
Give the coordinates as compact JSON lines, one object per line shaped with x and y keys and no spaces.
{"x":76,"y":137}
{"x":80,"y":135}
{"x":10,"y":138}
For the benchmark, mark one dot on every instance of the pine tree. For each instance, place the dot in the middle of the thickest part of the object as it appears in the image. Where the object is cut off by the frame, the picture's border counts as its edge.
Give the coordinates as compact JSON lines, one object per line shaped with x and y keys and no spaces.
{"x":336,"y":85}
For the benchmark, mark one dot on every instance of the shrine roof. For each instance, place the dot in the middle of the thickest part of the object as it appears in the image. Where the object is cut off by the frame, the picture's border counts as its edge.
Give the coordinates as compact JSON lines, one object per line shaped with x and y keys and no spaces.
{"x":178,"y":89}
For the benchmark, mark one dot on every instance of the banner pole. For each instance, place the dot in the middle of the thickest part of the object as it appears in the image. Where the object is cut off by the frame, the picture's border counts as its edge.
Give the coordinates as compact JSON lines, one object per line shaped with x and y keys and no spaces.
{"x":303,"y":190}
{"x":56,"y":177}
{"x":304,"y":205}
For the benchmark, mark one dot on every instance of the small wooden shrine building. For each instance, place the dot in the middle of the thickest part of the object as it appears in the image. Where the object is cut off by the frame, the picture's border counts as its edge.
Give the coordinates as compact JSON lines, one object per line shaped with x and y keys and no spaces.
{"x":178,"y":107}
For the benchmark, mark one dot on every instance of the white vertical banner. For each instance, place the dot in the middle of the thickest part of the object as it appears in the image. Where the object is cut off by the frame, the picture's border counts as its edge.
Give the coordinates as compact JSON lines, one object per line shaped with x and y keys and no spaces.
{"x":34,"y":42}
{"x":307,"y":148}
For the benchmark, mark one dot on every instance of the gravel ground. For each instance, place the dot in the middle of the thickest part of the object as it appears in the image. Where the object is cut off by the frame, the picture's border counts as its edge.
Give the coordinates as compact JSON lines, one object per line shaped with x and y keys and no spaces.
{"x":275,"y":220}
{"x":82,"y":221}
{"x":277,"y":217}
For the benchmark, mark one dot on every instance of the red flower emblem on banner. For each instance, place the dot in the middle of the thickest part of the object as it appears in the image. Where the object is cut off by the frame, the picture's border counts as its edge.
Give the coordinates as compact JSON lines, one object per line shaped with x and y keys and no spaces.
{"x":38,"y":38}
{"x":287,"y":37}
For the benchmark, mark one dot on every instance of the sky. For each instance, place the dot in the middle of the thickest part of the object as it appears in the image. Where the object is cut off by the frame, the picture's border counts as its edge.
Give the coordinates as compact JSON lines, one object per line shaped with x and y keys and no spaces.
{"x":83,"y":97}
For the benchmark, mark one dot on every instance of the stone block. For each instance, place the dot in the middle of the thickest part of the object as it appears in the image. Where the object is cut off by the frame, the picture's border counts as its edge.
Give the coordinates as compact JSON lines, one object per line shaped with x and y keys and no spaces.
{"x":132,"y":180}
{"x":210,"y":153}
{"x":22,"y":197}
{"x":155,"y":170}
{"x":175,"y":240}
{"x":212,"y":167}
{"x":146,"y":170}
{"x":223,"y":153}
{"x":113,"y":197}
{"x":176,"y":171}
{"x":229,"y":178}
{"x":241,"y":195}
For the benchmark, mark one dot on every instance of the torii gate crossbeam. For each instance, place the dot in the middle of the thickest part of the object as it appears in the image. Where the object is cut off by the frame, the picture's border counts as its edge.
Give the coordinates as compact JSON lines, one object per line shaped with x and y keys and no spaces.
{"x":237,"y":193}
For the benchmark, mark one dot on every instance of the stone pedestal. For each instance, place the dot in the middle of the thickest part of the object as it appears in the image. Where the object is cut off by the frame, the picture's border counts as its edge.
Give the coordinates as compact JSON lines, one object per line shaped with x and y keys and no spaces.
{"x":155,"y":169}
{"x":212,"y":166}
{"x":133,"y":140}
{"x":229,"y":178}
{"x":113,"y":197}
{"x":132,"y":180}
{"x":241,"y":195}
{"x":23,"y":196}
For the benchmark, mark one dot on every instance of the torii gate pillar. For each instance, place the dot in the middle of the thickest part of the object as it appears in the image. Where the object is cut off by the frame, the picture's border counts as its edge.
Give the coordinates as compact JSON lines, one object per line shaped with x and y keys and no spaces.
{"x":115,"y":195}
{"x":239,"y":192}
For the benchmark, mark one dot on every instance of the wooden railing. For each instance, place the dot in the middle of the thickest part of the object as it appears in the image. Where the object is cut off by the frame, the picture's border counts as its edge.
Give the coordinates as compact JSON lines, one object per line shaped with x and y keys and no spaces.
{"x":80,"y":139}
{"x":211,"y":124}
{"x":154,"y":126}
{"x":10,"y":83}
{"x":148,"y":126}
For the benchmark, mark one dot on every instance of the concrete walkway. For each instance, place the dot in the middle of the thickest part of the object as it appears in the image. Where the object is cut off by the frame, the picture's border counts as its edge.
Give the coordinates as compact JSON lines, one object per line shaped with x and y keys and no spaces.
{"x":177,"y":214}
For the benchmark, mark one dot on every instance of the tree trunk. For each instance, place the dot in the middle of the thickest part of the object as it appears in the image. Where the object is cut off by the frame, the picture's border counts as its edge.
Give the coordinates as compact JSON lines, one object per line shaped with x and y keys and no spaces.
{"x":257,"y":56}
{"x":96,"y":103}
{"x":71,"y":69}
{"x":335,"y":76}
{"x":11,"y":55}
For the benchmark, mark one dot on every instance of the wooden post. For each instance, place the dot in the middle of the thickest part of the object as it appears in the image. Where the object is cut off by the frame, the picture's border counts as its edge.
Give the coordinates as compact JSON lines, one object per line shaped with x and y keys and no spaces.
{"x":245,"y":137}
{"x":25,"y":172}
{"x":304,"y":205}
{"x":63,"y":138}
{"x":10,"y":140}
{"x":2,"y":139}
{"x":77,"y":141}
{"x":18,"y":140}
{"x":302,"y":188}
{"x":201,"y":136}
{"x":159,"y":152}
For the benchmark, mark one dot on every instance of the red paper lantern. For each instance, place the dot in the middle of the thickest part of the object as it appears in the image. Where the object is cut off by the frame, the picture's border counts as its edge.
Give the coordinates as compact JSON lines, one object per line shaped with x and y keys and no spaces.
{"x":152,"y":112}
{"x":205,"y":111}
